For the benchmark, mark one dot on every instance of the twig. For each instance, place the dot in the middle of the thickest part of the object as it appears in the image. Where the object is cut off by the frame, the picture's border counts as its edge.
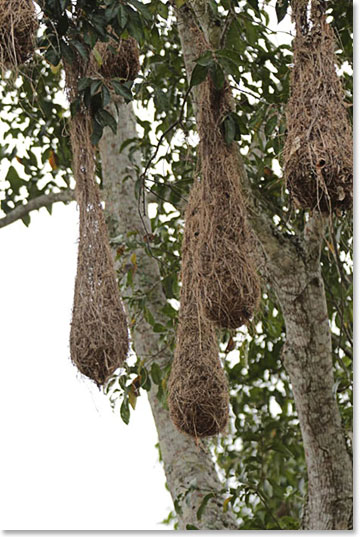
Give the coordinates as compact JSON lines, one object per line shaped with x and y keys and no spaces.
{"x":35,"y":204}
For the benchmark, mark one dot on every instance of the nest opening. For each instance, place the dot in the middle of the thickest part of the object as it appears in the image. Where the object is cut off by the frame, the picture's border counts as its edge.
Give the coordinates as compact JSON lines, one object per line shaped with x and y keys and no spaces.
{"x":318,"y":157}
{"x":18,"y":27}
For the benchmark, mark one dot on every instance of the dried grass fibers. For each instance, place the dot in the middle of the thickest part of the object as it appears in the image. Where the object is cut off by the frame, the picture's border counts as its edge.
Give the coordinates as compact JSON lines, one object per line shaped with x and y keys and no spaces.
{"x":198,"y":392}
{"x":18,"y":26}
{"x":118,"y":59}
{"x":228,"y":284}
{"x":99,"y":335}
{"x":318,"y":156}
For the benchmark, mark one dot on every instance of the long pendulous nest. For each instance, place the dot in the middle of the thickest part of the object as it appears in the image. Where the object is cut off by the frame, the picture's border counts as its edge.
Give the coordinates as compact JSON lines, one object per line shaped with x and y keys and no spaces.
{"x":318,"y":155}
{"x":228,"y":284}
{"x":18,"y":27}
{"x":117,"y":59}
{"x":99,"y":335}
{"x":198,"y":392}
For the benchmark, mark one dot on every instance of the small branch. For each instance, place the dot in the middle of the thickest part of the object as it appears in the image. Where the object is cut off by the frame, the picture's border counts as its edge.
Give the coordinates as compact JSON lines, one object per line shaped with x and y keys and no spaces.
{"x":36,"y":203}
{"x":162,"y":137}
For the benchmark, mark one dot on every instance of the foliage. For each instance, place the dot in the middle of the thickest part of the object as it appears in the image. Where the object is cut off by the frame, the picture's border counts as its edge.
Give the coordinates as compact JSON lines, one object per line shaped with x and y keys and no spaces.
{"x":262,"y":459}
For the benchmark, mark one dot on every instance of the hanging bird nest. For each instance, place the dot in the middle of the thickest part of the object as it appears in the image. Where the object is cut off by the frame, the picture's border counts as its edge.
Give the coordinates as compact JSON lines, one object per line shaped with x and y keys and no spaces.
{"x":228,"y":284}
{"x":198,"y":392}
{"x":99,"y":335}
{"x":18,"y":27}
{"x":116,"y":59}
{"x":318,"y":156}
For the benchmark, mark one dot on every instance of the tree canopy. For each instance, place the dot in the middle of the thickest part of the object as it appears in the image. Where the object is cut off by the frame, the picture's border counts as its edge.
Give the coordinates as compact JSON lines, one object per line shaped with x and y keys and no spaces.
{"x":261,"y":459}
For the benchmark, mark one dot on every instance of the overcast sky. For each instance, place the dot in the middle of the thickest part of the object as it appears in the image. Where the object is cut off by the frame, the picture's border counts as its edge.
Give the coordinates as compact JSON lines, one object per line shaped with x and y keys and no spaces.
{"x":68,"y":462}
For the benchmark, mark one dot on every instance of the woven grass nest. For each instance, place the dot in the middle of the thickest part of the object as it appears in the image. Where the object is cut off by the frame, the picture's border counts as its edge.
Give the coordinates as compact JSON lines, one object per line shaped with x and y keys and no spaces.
{"x":118,"y":59}
{"x":198,"y":392}
{"x":99,"y":339}
{"x":228,"y":284}
{"x":99,"y":336}
{"x":318,"y":156}
{"x":18,"y":26}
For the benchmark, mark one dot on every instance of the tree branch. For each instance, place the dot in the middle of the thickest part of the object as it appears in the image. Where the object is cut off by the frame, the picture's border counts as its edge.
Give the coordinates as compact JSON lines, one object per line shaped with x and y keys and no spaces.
{"x":37,"y":203}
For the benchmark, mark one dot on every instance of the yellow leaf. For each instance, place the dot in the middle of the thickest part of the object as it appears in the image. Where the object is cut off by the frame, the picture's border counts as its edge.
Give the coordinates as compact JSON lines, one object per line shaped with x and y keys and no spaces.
{"x":53,"y":160}
{"x":98,"y":57}
{"x":180,"y":3}
{"x":55,"y":68}
{"x":330,"y":246}
{"x":132,"y":398}
{"x":133,"y":258}
{"x":225,"y":504}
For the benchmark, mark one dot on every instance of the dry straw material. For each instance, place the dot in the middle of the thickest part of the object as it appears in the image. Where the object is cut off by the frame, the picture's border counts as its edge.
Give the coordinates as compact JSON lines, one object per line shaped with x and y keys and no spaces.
{"x":117,"y":59}
{"x":318,"y":157}
{"x":18,"y":26}
{"x":198,"y":392}
{"x":228,"y":287}
{"x":99,"y":334}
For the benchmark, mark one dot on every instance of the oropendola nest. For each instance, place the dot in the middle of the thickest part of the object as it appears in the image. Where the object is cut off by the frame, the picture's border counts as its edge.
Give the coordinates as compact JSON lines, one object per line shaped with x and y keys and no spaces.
{"x":198,"y":392}
{"x":318,"y":156}
{"x":99,"y":335}
{"x":119,"y":59}
{"x":224,"y":264}
{"x":18,"y":26}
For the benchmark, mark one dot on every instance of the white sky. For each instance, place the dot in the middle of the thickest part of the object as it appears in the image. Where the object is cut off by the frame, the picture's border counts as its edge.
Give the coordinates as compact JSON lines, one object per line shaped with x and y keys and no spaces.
{"x":67,"y":462}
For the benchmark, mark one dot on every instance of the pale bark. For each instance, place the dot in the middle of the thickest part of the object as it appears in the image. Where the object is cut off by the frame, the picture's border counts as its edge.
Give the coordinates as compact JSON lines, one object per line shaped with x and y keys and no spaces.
{"x":190,"y":470}
{"x":292,"y":267}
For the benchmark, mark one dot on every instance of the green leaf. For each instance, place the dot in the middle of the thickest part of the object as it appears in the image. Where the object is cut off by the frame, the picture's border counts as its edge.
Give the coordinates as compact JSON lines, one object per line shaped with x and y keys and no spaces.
{"x":80,"y":47}
{"x":67,"y":52}
{"x":198,"y":75}
{"x":271,"y":124}
{"x":122,"y":16}
{"x":84,"y":83}
{"x":125,"y":411}
{"x":206,"y":59}
{"x":105,"y":119}
{"x":142,"y":8}
{"x":105,"y":96}
{"x":26,"y":220}
{"x":95,"y":86}
{"x":145,"y":379}
{"x":254,"y":4}
{"x":156,"y":373}
{"x":52,"y":56}
{"x":96,"y":133}
{"x":229,"y":127}
{"x":120,"y":89}
{"x":159,"y":328}
{"x":281,"y":8}
{"x":135,"y":26}
{"x":203,"y":504}
{"x":15,"y":181}
{"x":191,"y":527}
{"x":217,"y":76}
{"x":180,"y":3}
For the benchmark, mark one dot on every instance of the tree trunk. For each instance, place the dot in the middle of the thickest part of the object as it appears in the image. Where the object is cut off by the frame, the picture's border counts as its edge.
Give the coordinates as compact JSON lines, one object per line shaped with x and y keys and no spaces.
{"x":291,"y":265}
{"x":190,"y":470}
